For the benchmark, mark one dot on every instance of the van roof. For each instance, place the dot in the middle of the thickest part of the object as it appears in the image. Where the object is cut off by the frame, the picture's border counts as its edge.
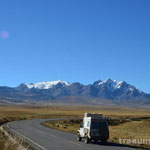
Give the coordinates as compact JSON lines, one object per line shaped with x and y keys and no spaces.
{"x":94,"y":116}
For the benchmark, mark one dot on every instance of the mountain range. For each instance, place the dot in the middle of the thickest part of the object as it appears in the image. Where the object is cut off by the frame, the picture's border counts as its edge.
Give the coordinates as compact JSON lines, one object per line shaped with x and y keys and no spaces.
{"x":107,"y":91}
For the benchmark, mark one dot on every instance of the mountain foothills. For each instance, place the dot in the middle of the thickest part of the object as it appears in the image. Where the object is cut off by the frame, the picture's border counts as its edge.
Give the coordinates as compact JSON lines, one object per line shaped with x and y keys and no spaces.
{"x":100,"y":92}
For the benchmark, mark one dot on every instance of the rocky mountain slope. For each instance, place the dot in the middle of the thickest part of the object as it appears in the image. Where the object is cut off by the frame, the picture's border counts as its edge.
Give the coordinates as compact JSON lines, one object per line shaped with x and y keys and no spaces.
{"x":111,"y":90}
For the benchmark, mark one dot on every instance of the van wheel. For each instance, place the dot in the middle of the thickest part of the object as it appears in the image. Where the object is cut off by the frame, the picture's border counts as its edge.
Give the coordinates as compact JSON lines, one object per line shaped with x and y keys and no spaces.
{"x":79,"y":138}
{"x":95,"y":141}
{"x":87,"y":140}
{"x":104,"y":141}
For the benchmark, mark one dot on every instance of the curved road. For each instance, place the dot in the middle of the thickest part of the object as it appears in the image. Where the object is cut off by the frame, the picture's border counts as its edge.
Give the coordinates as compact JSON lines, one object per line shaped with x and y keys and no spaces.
{"x":50,"y":139}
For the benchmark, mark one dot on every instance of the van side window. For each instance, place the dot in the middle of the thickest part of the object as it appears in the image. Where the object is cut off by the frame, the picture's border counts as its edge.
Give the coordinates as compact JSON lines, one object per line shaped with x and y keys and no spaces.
{"x":88,"y":123}
{"x":82,"y":124}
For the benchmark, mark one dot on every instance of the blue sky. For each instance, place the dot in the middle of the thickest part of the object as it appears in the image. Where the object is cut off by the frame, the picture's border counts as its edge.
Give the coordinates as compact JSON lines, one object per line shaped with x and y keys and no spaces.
{"x":75,"y":40}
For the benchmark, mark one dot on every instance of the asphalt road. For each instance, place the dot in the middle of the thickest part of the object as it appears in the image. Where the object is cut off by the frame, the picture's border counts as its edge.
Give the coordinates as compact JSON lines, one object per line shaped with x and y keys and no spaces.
{"x":50,"y":139}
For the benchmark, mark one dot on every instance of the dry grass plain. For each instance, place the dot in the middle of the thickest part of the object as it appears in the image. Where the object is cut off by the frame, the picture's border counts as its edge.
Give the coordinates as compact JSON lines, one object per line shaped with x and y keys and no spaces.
{"x":124,"y":130}
{"x":134,"y":130}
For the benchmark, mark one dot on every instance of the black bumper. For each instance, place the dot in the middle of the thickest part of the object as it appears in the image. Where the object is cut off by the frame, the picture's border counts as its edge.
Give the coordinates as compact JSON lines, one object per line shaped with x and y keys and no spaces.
{"x":99,"y":138}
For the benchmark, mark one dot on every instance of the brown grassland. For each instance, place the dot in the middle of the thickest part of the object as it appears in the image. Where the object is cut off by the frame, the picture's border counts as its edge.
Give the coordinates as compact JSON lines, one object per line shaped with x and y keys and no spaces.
{"x":125,"y":130}
{"x":120,"y":129}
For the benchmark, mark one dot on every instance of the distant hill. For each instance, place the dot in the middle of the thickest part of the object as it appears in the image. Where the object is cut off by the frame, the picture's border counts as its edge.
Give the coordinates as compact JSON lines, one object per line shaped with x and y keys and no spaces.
{"x":100,"y":92}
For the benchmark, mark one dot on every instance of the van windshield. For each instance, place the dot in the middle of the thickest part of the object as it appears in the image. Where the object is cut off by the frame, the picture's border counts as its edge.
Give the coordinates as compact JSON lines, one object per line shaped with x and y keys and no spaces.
{"x":98,"y":125}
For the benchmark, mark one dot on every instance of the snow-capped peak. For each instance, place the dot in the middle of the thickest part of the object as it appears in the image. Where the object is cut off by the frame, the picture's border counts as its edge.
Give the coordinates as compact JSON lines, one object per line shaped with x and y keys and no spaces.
{"x":118,"y":85}
{"x":110,"y":84}
{"x":46,"y":84}
{"x":114,"y":85}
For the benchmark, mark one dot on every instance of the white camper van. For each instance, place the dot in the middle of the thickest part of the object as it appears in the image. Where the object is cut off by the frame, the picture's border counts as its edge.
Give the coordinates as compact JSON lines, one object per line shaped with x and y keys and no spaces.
{"x":93,"y":128}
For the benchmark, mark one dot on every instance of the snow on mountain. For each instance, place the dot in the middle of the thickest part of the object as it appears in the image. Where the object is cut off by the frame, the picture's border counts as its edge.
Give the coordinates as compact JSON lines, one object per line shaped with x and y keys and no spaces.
{"x":113,"y":85}
{"x":107,"y":89}
{"x":47,"y":84}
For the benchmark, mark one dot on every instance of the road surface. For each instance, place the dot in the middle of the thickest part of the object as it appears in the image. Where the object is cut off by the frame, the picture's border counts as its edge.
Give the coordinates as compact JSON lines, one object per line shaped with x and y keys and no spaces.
{"x":50,"y":139}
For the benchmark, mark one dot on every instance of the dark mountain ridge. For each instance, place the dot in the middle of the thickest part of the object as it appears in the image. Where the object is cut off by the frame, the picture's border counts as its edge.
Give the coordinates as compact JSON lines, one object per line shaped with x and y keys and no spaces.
{"x":111,"y":90}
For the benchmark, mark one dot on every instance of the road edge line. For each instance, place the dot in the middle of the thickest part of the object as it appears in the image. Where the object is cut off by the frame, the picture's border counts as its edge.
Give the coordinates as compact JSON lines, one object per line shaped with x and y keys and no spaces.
{"x":41,"y":147}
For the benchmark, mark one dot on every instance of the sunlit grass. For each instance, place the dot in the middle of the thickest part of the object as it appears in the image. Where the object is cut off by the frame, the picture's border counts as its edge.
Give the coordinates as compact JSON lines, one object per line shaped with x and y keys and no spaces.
{"x":8,"y":113}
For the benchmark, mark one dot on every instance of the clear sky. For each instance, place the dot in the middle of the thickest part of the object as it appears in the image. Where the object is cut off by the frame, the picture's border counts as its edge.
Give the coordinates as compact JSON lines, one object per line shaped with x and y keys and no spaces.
{"x":75,"y":40}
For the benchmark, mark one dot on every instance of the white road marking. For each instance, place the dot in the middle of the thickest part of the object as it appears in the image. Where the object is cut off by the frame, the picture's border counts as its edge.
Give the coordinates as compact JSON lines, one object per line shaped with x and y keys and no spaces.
{"x":27,"y":138}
